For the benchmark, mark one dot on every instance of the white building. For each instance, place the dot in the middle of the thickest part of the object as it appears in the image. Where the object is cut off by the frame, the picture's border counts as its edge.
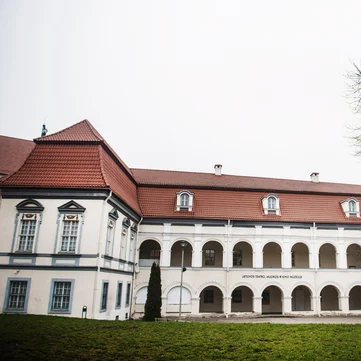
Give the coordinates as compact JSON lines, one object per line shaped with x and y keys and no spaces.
{"x":79,"y":228}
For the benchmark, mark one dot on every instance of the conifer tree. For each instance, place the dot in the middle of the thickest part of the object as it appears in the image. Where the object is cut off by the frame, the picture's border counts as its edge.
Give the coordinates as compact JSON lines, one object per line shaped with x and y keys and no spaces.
{"x":153,"y":305}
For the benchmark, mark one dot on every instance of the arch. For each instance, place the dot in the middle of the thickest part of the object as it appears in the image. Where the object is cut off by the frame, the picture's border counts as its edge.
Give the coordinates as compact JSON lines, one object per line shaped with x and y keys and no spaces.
{"x":300,"y":255}
{"x":301,"y":298}
{"x":242,"y":299}
{"x":141,"y":296}
{"x":149,"y":252}
{"x":242,"y":255}
{"x":173,"y":296}
{"x":330,"y":298}
{"x":271,"y":202}
{"x":176,"y":255}
{"x":354,"y":298}
{"x":245,"y":284}
{"x":327,"y":256}
{"x":211,"y":300}
{"x":208,"y":284}
{"x":353,"y":253}
{"x":30,"y":205}
{"x":272,"y":297}
{"x":272,"y":255}
{"x":172,"y":242}
{"x":150,"y":239}
{"x":184,"y":199}
{"x":212,"y":254}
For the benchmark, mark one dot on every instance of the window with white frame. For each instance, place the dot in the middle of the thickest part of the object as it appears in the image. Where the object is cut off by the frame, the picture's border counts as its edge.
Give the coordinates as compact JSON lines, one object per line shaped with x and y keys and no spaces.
{"x":118,"y":301}
{"x":184,"y":201}
{"x":61,"y":296}
{"x":237,"y":258}
{"x":110,"y":237}
{"x":16,"y":297}
{"x":271,"y":204}
{"x":124,"y":238}
{"x":69,"y":234}
{"x":127,"y":298}
{"x":28,"y":219}
{"x":104,"y":298}
{"x":70,"y":221}
{"x":351,"y":207}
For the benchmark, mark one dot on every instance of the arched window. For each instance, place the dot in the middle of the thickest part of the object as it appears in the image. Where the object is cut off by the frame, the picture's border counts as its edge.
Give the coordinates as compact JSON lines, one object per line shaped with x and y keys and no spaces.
{"x":271,"y":203}
{"x":184,"y":198}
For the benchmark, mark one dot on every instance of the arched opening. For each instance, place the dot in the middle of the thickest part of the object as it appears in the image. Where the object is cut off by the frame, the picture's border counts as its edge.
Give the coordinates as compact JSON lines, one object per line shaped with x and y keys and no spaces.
{"x":243,"y":255}
{"x":354,"y":298}
{"x":212,"y":254}
{"x":173,"y":299}
{"x":329,"y":299}
{"x":242,"y":299}
{"x":272,"y":300}
{"x":301,"y":299}
{"x":272,"y":255}
{"x":149,"y":252}
{"x":211,"y":300}
{"x":354,"y":256}
{"x":327,"y":256}
{"x":300,"y":256}
{"x":176,"y":255}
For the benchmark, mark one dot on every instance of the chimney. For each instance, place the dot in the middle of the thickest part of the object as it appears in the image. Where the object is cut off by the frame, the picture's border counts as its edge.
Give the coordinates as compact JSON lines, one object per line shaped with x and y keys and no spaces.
{"x":314,"y":177}
{"x":218,"y":169}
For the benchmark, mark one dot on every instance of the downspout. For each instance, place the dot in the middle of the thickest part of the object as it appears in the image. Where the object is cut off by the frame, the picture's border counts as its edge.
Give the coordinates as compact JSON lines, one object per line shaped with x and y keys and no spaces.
{"x":133,"y":276}
{"x":315,"y":267}
{"x":98,"y":254}
{"x":227,"y":268}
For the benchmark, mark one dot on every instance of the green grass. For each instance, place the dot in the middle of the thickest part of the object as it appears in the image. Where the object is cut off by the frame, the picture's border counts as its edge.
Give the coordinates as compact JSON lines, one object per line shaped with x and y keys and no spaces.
{"x":26,"y":337}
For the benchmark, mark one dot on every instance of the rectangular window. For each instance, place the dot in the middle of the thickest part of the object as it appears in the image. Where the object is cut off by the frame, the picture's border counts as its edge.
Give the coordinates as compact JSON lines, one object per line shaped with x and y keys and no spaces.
{"x":210,"y":257}
{"x":104,"y":299}
{"x":237,"y":296}
{"x":61,"y":296}
{"x":27,"y":233}
{"x":208,"y":296}
{"x":16,"y":298}
{"x":127,"y":299}
{"x":154,"y":254}
{"x":69,"y":235}
{"x":118,"y":302}
{"x":237,"y":258}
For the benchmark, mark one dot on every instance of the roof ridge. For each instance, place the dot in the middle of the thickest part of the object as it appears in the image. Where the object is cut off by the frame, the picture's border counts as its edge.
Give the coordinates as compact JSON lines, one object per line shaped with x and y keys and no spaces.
{"x":25,"y":140}
{"x":93,"y":130}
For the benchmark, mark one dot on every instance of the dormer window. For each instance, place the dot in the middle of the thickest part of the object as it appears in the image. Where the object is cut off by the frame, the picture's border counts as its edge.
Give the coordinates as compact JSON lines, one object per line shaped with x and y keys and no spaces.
{"x":184,"y":201}
{"x":351,"y":207}
{"x":271,"y":204}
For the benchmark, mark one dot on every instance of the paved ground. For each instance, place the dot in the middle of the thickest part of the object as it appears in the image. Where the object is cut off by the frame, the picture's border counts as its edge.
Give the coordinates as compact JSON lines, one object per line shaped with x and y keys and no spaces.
{"x":280,"y":319}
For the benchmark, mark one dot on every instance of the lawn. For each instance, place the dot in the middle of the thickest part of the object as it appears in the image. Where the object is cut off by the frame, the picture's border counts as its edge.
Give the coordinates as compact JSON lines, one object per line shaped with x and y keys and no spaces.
{"x":27,"y":337}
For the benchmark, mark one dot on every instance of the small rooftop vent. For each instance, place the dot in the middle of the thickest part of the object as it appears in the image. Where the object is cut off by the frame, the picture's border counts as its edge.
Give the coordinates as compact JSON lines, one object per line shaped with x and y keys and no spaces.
{"x":315,"y":177}
{"x":218,"y":169}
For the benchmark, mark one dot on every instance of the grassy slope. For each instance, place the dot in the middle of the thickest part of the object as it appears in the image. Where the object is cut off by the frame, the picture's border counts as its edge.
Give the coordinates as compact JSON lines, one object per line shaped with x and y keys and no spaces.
{"x":26,"y":337}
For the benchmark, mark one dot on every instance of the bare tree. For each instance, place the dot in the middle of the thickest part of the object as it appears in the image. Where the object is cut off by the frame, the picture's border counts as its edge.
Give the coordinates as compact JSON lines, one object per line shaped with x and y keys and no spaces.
{"x":353,"y":94}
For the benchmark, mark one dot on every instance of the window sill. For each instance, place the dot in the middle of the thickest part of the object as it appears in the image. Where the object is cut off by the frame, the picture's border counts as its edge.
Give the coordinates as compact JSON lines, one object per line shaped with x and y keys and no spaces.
{"x":101,"y":311}
{"x":14,"y":311}
{"x":59,"y":312}
{"x":25,"y":253}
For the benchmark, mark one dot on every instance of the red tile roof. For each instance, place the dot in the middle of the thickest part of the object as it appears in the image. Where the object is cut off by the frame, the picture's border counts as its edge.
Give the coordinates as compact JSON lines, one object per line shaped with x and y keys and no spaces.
{"x":13,"y":153}
{"x":243,"y":205}
{"x":147,"y":177}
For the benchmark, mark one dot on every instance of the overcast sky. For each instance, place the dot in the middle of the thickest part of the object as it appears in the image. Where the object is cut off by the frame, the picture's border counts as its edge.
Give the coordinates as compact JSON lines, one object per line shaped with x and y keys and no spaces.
{"x":257,"y":86}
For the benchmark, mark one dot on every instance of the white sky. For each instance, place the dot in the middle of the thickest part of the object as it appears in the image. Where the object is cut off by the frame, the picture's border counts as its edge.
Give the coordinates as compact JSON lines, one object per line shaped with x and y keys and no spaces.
{"x":257,"y":86}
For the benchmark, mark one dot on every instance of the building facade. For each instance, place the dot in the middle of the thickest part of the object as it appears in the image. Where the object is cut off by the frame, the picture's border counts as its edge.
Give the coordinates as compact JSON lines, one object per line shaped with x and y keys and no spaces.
{"x":81,"y":229}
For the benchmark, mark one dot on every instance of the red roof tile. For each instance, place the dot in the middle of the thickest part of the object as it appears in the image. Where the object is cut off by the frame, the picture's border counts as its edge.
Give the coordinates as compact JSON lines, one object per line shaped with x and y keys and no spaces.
{"x":161,"y":178}
{"x":13,"y":153}
{"x":243,"y":205}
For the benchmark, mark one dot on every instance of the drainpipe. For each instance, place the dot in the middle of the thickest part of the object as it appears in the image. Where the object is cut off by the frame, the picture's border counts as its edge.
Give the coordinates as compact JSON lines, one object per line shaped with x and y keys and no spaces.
{"x":98,"y":254}
{"x":315,"y":268}
{"x":227,"y":268}
{"x":133,"y":276}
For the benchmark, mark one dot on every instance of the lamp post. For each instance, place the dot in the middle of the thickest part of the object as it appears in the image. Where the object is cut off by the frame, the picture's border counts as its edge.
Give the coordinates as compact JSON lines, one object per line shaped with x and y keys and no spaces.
{"x":183,"y":245}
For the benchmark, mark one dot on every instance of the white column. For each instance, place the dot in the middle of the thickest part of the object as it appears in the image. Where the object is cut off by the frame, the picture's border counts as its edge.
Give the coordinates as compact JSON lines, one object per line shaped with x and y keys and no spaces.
{"x":197,"y":254}
{"x":343,"y":304}
{"x":257,"y":305}
{"x":257,"y":252}
{"x":227,"y":305}
{"x":195,"y":305}
{"x":287,"y":305}
{"x":341,"y":259}
{"x":316,"y":304}
{"x":165,"y":253}
{"x":286,"y":249}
